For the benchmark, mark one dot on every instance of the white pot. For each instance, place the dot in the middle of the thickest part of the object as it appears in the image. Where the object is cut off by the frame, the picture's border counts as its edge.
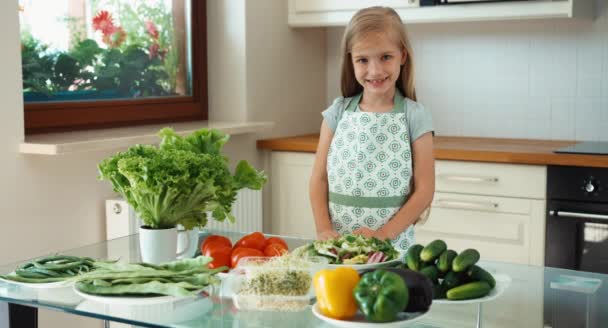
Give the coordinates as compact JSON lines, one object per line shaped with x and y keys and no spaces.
{"x":158,"y":245}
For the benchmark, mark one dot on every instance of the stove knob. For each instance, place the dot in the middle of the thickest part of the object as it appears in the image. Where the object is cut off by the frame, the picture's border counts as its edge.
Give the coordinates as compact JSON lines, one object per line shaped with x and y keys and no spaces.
{"x":589,"y":187}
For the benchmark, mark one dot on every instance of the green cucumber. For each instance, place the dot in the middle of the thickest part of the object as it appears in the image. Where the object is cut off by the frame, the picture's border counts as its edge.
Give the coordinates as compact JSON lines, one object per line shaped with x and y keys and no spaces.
{"x":477,"y":273}
{"x":412,"y":257}
{"x":444,"y":264}
{"x":465,"y":259}
{"x":452,"y":279}
{"x":431,"y":272}
{"x":469,"y":291}
{"x":432,"y":251}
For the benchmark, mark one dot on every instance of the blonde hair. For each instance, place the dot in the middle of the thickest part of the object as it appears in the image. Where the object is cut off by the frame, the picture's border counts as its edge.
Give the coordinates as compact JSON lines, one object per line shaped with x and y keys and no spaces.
{"x":379,"y":20}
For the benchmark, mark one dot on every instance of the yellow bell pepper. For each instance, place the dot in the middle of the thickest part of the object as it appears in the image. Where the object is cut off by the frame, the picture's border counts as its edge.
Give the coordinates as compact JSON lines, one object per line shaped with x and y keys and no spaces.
{"x":334,"y":290}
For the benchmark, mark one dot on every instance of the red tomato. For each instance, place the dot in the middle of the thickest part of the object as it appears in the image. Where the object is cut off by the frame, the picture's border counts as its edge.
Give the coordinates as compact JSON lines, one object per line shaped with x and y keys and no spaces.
{"x":213,"y":239}
{"x":220,"y":254}
{"x":275,"y":250}
{"x":242,"y":252}
{"x":276,"y":240}
{"x":255,"y":240}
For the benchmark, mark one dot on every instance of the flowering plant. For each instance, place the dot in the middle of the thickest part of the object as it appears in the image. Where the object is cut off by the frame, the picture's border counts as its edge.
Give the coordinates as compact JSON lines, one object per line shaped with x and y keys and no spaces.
{"x":128,"y":64}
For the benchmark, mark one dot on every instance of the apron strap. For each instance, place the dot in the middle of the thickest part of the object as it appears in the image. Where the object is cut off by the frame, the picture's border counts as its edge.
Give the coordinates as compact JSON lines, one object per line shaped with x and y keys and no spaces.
{"x":354,"y":102}
{"x":398,"y":103}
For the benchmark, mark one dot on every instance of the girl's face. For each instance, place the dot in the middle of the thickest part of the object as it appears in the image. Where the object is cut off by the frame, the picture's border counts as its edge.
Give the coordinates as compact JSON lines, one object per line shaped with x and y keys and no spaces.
{"x":377,"y":61}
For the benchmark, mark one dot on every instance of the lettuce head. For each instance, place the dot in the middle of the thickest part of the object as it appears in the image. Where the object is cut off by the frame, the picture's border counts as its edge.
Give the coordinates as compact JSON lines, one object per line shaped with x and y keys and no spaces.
{"x":181,"y":180}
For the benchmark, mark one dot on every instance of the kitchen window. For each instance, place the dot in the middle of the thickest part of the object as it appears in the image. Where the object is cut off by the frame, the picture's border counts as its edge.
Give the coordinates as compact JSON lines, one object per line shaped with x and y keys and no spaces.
{"x":107,"y":63}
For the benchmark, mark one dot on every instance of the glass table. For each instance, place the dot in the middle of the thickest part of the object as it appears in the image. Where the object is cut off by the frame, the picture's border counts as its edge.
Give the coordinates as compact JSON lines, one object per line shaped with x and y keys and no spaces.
{"x":536,"y":297}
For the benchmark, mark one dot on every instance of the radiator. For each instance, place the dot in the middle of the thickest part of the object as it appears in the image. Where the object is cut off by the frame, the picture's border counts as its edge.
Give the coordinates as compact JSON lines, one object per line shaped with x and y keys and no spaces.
{"x":122,"y":221}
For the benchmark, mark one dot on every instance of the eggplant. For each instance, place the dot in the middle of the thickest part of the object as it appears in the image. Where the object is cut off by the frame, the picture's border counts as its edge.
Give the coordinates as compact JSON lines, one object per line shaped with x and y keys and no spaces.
{"x":419,"y":286}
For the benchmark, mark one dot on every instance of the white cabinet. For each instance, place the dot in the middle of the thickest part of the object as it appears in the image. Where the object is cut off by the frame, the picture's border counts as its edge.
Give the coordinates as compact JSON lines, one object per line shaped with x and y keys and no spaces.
{"x":290,"y":206}
{"x":498,"y":209}
{"x":309,"y":13}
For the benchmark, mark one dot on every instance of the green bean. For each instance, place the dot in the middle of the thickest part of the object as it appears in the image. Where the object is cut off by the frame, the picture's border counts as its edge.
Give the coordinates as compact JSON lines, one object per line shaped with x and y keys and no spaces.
{"x":29,"y":274}
{"x":58,"y":267}
{"x":48,"y":273}
{"x":140,"y":280}
{"x":100,"y":282}
{"x":31,"y":280}
{"x":57,"y":257}
{"x":26,"y":266}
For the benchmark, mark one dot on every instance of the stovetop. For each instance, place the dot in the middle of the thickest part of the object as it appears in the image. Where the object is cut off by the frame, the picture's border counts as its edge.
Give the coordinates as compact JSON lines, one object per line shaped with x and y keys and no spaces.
{"x":586,"y":147}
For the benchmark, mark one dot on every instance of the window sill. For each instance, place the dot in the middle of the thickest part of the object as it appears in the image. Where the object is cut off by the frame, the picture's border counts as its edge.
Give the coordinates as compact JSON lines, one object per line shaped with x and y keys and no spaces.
{"x":95,"y":140}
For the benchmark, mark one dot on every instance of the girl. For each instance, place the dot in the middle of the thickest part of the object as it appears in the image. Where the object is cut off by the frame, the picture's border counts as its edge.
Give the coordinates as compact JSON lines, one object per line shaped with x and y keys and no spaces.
{"x":376,"y":141}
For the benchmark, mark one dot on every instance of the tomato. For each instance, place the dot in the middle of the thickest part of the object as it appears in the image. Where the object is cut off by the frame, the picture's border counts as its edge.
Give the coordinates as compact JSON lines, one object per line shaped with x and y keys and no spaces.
{"x":220,"y":253}
{"x":255,"y":240}
{"x":242,"y":252}
{"x":213,"y":239}
{"x":275,"y":250}
{"x":276,"y":240}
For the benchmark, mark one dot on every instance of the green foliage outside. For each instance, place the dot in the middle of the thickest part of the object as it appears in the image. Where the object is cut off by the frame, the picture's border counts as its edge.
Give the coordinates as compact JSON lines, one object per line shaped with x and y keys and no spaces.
{"x":137,"y":58}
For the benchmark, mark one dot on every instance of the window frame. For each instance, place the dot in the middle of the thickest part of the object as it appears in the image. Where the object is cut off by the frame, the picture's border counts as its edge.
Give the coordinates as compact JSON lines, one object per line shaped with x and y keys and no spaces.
{"x":86,"y":115}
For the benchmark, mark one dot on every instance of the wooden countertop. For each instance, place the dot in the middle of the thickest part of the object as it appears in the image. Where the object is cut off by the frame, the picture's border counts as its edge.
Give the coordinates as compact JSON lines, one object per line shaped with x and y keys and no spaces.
{"x":513,"y":151}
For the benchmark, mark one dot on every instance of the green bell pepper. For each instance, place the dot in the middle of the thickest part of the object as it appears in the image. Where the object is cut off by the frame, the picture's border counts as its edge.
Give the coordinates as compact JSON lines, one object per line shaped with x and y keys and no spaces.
{"x":381,"y":295}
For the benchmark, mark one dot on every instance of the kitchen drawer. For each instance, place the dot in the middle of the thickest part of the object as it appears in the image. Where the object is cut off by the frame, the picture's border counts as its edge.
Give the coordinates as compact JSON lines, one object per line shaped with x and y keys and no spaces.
{"x":522,"y":181}
{"x":502,"y":229}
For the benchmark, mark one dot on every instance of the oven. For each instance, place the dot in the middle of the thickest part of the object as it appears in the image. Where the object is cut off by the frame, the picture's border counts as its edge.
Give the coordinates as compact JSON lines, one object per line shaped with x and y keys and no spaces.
{"x":576,"y":239}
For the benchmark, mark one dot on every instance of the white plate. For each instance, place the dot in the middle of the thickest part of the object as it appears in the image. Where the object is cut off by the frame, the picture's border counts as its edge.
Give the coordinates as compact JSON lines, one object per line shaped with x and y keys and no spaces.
{"x":502,"y":283}
{"x":404,"y":319}
{"x":160,"y":314}
{"x":131,"y":300}
{"x":360,"y":267}
{"x":58,"y":284}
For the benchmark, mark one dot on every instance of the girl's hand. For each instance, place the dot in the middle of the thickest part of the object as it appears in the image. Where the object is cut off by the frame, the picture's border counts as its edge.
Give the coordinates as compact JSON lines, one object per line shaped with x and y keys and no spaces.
{"x":368,"y":233}
{"x":327,"y":234}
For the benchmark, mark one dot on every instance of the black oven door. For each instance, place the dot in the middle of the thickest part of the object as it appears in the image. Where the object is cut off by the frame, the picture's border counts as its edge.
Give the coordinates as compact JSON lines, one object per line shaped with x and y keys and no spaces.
{"x":577,"y":236}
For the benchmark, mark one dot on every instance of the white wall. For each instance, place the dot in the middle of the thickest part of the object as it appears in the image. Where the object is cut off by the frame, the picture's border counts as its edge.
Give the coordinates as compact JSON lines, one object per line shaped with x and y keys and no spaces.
{"x":542,"y":79}
{"x":53,"y":203}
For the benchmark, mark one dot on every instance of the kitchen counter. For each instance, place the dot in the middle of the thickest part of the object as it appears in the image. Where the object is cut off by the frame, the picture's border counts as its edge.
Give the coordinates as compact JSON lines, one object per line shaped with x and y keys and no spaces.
{"x":511,"y":151}
{"x":530,"y":300}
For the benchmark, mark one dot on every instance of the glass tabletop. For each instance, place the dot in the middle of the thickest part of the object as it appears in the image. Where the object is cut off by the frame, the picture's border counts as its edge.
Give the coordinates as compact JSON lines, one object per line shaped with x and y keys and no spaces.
{"x":535,"y":297}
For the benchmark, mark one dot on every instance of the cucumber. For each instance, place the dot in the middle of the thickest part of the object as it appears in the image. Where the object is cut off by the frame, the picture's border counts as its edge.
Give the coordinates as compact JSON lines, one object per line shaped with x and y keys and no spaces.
{"x":477,"y":273}
{"x":431,"y":272}
{"x":412,"y":257}
{"x":426,"y":264}
{"x":468,"y":291}
{"x":465,"y":259}
{"x":452,"y":279}
{"x":432,"y":251}
{"x":444,"y":263}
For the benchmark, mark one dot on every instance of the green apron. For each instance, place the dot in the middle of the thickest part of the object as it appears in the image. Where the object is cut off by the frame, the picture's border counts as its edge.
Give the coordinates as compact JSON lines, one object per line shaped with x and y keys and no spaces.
{"x":369,"y":170}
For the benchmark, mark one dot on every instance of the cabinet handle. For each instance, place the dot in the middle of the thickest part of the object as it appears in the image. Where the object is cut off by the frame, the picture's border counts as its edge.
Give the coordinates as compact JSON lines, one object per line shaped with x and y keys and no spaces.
{"x":466,"y":205}
{"x":467,"y":178}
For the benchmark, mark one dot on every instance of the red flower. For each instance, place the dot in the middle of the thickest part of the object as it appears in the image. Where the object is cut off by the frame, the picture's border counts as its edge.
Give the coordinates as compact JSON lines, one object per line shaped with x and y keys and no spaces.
{"x":152,"y":30}
{"x":115,"y":37}
{"x":153,"y":50}
{"x":103,"y":22}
